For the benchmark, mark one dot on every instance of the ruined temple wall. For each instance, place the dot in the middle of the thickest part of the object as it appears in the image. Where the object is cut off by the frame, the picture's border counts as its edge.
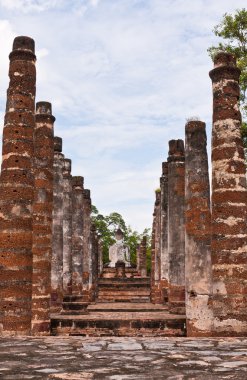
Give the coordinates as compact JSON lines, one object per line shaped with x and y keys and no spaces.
{"x":17,"y":191}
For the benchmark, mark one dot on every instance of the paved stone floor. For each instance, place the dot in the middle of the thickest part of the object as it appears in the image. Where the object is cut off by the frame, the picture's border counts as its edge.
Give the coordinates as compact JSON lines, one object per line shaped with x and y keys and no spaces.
{"x":76,"y":358}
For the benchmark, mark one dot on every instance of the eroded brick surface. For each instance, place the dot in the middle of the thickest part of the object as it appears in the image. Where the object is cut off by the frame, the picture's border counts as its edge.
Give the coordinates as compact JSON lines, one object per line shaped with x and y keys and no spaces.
{"x":229,"y":196}
{"x":176,"y":237}
{"x":42,"y":218}
{"x":17,"y":188}
{"x":197,"y":232}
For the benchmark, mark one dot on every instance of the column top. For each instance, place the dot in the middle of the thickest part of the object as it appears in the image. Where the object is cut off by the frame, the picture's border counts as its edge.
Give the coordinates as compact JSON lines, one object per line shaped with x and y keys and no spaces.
{"x":43,"y":108}
{"x":87,"y":194}
{"x":77,"y":181}
{"x":176,"y":150}
{"x":164,"y":168}
{"x":224,"y":59}
{"x":24,"y":43}
{"x":67,"y":165}
{"x":194,"y":125}
{"x":58,"y":144}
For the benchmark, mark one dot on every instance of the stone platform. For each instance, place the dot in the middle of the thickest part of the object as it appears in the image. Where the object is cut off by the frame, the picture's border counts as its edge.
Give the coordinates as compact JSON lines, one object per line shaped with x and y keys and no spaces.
{"x":122,"y":308}
{"x":120,"y":319}
{"x":77,"y":358}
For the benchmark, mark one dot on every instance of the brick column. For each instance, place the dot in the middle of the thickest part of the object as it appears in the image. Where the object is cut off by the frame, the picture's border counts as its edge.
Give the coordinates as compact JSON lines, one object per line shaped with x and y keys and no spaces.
{"x":100,"y":257}
{"x":198,"y":266}
{"x":87,"y":246}
{"x":229,"y":197}
{"x":176,"y":226}
{"x":42,"y":218}
{"x":155,"y":277}
{"x":16,"y":195}
{"x":143,"y":257}
{"x":67,"y":227}
{"x":57,"y":228}
{"x":164,"y":257}
{"x":94,"y":263}
{"x":77,"y":234}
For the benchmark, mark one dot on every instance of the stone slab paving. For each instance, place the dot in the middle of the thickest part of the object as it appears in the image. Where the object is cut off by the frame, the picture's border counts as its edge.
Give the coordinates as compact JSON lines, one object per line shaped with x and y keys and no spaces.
{"x":76,"y":358}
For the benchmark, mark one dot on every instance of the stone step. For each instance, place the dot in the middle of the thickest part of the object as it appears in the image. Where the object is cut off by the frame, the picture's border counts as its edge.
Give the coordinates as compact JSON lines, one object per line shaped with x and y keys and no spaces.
{"x":120,"y":281}
{"x":126,"y":306}
{"x":98,"y":324}
{"x":134,"y":287}
{"x":113,"y":292}
{"x":123,"y":299}
{"x":74,"y":308}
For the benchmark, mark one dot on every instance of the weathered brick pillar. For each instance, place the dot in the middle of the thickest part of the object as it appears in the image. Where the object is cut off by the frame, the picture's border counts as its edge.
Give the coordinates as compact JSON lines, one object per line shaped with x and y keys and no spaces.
{"x":138,"y":259}
{"x":77,"y":234}
{"x":87,"y":246}
{"x":152,"y":272}
{"x":57,"y":229}
{"x":100,"y":256}
{"x":176,"y":226}
{"x":67,"y":227}
{"x":143,"y":257}
{"x":16,"y":195}
{"x":156,"y":264}
{"x":164,"y":257}
{"x":229,"y":197}
{"x":94,"y":265}
{"x":198,"y":267}
{"x":42,"y":218}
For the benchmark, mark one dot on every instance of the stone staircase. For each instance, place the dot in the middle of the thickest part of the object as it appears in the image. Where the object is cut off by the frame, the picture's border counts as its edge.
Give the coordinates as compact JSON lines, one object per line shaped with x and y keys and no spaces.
{"x":122,"y":308}
{"x":124,"y":290}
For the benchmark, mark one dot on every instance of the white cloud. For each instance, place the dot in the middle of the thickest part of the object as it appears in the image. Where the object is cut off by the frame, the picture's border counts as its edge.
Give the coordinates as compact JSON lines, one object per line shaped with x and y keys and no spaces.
{"x":122,"y":77}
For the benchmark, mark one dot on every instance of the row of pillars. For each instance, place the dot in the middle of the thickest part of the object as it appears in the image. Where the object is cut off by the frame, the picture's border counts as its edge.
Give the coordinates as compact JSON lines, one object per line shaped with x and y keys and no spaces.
{"x":199,"y":242}
{"x":48,"y":245}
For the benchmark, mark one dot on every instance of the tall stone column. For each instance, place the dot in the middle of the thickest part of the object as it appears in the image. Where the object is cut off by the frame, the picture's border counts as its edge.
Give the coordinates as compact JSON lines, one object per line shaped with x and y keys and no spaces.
{"x":176,"y":226}
{"x":94,"y":264}
{"x":229,"y":197}
{"x":67,"y":227}
{"x":100,"y":259}
{"x":42,"y":218}
{"x":164,"y":257}
{"x":143,"y":257}
{"x":198,"y":267}
{"x":155,"y":277}
{"x":16,"y":193}
{"x":57,"y":228}
{"x":87,"y":246}
{"x":77,"y":234}
{"x":138,"y":259}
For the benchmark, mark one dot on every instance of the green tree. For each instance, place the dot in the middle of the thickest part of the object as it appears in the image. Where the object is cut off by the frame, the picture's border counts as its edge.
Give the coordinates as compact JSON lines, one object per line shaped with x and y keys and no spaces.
{"x":233,"y":30}
{"x":106,"y":227}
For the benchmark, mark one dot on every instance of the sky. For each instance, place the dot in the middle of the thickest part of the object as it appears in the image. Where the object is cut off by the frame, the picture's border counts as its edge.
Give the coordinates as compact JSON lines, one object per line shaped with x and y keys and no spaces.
{"x":123,"y":76}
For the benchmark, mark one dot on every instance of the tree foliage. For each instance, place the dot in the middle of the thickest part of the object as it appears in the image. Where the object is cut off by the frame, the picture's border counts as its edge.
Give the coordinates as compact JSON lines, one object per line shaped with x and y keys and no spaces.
{"x":106,"y":227}
{"x":233,"y":30}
